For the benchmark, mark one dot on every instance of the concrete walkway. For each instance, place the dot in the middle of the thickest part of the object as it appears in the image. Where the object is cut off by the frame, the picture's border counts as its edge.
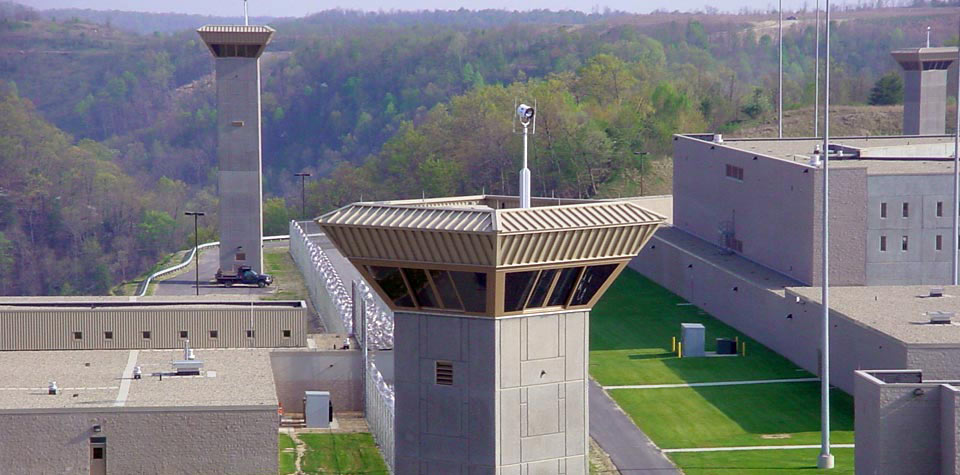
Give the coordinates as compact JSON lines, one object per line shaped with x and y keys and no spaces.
{"x":629,"y":448}
{"x":757,"y":447}
{"x":719,"y":383}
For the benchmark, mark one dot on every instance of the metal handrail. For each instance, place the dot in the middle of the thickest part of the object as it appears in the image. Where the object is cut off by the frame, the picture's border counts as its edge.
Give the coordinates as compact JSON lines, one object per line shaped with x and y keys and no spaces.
{"x":145,"y":284}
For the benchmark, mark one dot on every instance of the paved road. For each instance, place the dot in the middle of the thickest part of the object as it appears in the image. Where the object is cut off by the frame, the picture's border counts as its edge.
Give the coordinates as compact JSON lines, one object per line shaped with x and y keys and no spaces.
{"x":629,"y":448}
{"x":183,"y":284}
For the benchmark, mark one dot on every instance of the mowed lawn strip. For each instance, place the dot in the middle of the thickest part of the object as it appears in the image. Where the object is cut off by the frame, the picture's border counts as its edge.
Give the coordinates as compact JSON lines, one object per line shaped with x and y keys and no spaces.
{"x":286,"y":277}
{"x":736,"y":416}
{"x":286,"y":458}
{"x":342,"y":453}
{"x":630,"y":331}
{"x":762,"y":462}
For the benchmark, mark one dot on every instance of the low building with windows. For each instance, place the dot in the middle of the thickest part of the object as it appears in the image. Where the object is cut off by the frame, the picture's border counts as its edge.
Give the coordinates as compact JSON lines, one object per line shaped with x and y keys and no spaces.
{"x":890,"y":204}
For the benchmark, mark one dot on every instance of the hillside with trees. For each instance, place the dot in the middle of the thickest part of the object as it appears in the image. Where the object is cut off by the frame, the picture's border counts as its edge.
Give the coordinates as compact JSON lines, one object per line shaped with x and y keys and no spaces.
{"x":386,"y":105}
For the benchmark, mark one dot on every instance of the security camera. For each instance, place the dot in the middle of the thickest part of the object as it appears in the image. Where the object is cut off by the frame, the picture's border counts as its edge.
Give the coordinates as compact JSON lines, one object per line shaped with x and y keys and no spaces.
{"x":525,"y":113}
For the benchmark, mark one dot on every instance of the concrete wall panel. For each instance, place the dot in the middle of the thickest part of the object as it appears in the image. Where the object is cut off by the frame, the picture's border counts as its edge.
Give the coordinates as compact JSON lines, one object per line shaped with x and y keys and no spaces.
{"x":339,"y":372}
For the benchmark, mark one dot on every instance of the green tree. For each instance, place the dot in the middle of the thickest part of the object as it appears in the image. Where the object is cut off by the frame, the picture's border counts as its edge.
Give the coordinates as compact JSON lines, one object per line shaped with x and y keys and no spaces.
{"x":887,"y":90}
{"x":155,"y":230}
{"x":276,"y":217}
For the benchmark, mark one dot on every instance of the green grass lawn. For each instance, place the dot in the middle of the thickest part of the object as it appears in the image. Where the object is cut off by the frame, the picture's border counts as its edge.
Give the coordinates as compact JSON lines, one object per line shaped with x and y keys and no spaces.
{"x":630,"y":330}
{"x":286,"y":277}
{"x":342,"y":454}
{"x":286,"y":459}
{"x":762,"y":462}
{"x":731,"y":416}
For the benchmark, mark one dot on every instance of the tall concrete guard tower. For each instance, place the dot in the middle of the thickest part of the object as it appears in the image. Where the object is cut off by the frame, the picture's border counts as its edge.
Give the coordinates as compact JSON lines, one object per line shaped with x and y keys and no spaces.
{"x":492,"y":309}
{"x":237,"y":50}
{"x":925,"y":88}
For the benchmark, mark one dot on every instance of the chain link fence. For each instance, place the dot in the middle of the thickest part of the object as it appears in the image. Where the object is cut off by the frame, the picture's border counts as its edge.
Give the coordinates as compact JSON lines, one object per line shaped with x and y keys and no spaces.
{"x":371,"y":323}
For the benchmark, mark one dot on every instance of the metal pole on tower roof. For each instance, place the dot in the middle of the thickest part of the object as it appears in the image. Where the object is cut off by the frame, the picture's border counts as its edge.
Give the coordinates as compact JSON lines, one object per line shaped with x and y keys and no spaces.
{"x":956,"y":181}
{"x":246,"y":18}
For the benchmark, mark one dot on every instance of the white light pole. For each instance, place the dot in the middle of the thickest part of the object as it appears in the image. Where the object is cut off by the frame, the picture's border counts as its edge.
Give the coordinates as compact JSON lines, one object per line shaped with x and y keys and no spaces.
{"x":246,"y":19}
{"x":956,"y":182}
{"x":825,"y":460}
{"x":816,"y":87}
{"x":780,"y":90}
{"x":526,"y":115}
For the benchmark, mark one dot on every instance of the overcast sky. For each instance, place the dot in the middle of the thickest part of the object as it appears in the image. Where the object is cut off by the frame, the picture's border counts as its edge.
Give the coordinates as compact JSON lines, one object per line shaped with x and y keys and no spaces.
{"x":304,"y":7}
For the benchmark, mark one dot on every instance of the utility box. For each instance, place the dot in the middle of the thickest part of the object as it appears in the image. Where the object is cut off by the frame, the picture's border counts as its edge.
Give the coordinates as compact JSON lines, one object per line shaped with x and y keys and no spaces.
{"x":318,"y":409}
{"x":692,"y":336}
{"x":726,"y":346}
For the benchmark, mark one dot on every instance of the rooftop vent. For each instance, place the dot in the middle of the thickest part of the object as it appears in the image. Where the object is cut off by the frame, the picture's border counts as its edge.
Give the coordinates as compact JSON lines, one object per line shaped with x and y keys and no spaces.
{"x":52,"y":389}
{"x":815,"y":158}
{"x":936,"y":292}
{"x":718,"y":138}
{"x":940,"y":318}
{"x":189,"y":366}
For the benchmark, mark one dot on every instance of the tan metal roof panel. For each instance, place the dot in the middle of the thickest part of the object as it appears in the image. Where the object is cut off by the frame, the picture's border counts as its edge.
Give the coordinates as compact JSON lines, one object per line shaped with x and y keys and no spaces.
{"x":410,"y":217}
{"x":598,"y":214}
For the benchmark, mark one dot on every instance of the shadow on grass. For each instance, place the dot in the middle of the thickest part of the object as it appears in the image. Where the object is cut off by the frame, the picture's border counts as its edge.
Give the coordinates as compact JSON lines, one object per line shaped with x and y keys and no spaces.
{"x":653,"y":356}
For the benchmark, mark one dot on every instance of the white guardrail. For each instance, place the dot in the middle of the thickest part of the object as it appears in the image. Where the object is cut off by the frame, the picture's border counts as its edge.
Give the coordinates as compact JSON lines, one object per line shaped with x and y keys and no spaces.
{"x":142,"y":289}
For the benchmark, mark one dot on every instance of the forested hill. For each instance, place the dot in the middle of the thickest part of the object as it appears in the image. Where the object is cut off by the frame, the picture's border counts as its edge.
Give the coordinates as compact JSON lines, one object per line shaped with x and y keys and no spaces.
{"x":383,"y":105}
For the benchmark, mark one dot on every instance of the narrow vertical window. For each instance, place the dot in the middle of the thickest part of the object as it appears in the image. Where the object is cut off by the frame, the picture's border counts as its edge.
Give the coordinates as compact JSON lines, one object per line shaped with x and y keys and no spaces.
{"x":883,"y":243}
{"x":939,"y":242}
{"x":906,"y":210}
{"x":904,"y":244}
{"x":939,"y":209}
{"x":883,"y":210}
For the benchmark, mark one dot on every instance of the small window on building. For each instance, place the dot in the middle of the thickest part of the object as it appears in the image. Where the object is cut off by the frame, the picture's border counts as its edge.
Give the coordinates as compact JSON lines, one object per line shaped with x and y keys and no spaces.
{"x":544,"y":282}
{"x":735,"y":172}
{"x":214,"y":334}
{"x":593,"y":278}
{"x":904,"y":244}
{"x":939,"y":209}
{"x":250,"y":333}
{"x":883,"y":210}
{"x":146,"y":335}
{"x":939,"y":242}
{"x":241,"y":256}
{"x":883,"y":243}
{"x":184,"y":334}
{"x":906,"y":210}
{"x":286,"y":333}
{"x":444,"y":373}
{"x":77,"y":335}
{"x":564,"y":286}
{"x":517,"y":289}
{"x":99,"y":453}
{"x":422,"y":290}
{"x":472,"y":288}
{"x":391,"y":281}
{"x":108,"y":335}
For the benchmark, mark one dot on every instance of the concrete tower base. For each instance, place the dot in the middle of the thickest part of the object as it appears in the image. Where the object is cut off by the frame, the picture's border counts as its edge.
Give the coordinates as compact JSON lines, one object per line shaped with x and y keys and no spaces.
{"x":516,"y":402}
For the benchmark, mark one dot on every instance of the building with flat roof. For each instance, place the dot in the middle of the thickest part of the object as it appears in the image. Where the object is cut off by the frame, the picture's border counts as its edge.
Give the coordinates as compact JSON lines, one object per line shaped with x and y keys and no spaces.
{"x":891,"y":205}
{"x":906,"y":423}
{"x":101,"y":419}
{"x":492,"y":306}
{"x":86,"y":323}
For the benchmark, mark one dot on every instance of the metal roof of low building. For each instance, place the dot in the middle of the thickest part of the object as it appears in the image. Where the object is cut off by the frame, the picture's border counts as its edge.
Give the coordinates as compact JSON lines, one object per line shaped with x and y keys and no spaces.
{"x":898,"y":311}
{"x":97,"y":379}
{"x":97,"y":302}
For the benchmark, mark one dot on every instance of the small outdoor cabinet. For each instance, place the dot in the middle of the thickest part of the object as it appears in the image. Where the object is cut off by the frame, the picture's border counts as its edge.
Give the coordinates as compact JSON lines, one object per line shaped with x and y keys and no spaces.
{"x":692,"y":335}
{"x":318,"y":409}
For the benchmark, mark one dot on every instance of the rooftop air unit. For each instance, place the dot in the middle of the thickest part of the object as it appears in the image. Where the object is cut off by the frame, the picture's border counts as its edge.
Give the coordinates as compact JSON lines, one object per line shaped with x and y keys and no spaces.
{"x":936,"y":292}
{"x":940,"y":318}
{"x":189,"y":365}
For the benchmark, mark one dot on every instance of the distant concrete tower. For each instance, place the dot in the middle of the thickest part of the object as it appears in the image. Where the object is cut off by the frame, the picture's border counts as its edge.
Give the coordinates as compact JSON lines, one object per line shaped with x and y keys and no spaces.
{"x":492,"y":317}
{"x":237,"y":50}
{"x":925,"y":88}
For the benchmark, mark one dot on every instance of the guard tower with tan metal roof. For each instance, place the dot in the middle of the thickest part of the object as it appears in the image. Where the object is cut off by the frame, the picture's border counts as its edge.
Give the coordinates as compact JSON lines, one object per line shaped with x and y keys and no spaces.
{"x":237,"y":49}
{"x":492,"y":306}
{"x":925,"y":88}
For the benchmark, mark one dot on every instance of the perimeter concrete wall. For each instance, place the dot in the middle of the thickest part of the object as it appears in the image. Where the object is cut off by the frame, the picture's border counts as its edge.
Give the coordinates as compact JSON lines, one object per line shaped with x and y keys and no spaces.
{"x":145,"y":441}
{"x":772,"y":315}
{"x":339,"y":372}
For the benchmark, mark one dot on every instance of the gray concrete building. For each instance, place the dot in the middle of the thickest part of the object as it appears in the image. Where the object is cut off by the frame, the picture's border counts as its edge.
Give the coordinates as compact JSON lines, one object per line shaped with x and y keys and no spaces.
{"x":103,"y":421}
{"x":906,"y":423}
{"x":491,"y":322}
{"x":237,"y":50}
{"x":891,"y":205}
{"x":925,"y":88}
{"x":87,"y":323}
